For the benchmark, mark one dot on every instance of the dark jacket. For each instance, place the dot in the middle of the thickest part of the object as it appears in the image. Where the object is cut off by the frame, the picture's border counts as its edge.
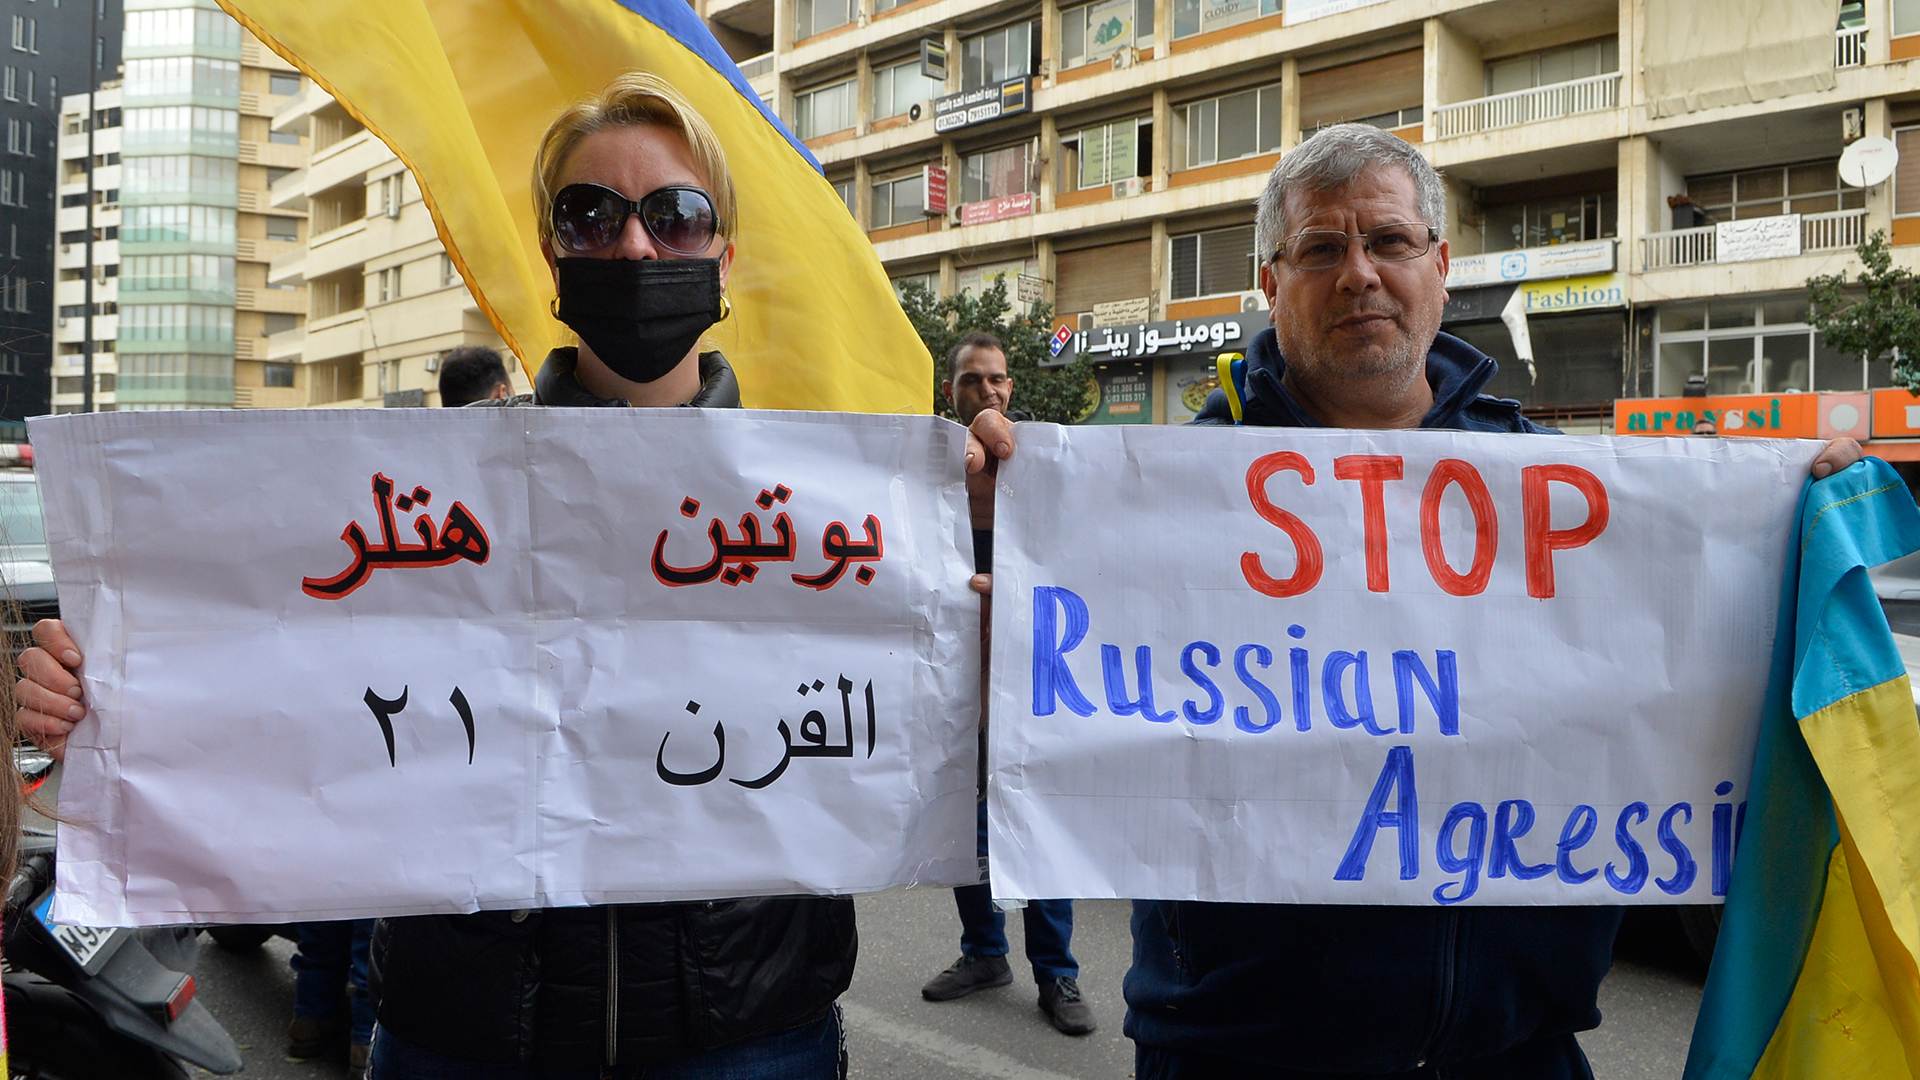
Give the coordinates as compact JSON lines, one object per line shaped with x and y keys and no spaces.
{"x":632,"y":983}
{"x":1336,"y":989}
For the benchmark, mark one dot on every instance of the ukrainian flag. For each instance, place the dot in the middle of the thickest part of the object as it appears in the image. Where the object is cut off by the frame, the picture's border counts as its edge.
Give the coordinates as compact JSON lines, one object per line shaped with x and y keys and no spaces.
{"x":461,"y":90}
{"x":1815,"y":974}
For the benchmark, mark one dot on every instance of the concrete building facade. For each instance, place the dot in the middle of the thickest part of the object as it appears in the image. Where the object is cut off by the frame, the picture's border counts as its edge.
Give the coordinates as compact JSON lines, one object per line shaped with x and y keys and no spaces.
{"x":1655,"y":201}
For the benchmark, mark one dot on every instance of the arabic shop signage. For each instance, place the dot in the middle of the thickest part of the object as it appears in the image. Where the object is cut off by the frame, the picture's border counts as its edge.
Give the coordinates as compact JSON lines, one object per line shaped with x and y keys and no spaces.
{"x":998,"y":208}
{"x":1179,"y":336}
{"x":1531,"y":264}
{"x":977,"y":106}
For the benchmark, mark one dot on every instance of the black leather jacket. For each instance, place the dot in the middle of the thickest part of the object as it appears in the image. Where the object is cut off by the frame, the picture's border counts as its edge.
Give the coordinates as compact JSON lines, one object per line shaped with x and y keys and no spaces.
{"x":627,"y":984}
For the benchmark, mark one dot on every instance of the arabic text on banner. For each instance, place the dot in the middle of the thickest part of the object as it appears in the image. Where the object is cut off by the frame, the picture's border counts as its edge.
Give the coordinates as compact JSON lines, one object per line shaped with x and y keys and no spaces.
{"x":509,"y":658}
{"x":1379,"y":667}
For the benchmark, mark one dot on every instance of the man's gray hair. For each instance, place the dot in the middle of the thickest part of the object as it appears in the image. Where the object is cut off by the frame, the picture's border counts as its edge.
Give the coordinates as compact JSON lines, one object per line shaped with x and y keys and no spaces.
{"x":1333,"y":158}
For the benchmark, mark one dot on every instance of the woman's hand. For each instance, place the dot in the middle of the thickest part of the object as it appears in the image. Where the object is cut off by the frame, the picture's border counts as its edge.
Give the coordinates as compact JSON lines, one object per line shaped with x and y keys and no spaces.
{"x":47,"y":698}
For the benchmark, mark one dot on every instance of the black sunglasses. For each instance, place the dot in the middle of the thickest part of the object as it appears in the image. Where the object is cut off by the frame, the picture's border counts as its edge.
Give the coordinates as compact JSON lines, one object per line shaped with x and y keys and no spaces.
{"x":588,"y":217}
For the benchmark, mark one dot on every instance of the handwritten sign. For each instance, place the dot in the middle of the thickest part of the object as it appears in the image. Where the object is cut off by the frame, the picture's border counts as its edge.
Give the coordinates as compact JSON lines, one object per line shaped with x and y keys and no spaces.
{"x":566,"y":657}
{"x":1748,"y":239}
{"x":1426,"y":667}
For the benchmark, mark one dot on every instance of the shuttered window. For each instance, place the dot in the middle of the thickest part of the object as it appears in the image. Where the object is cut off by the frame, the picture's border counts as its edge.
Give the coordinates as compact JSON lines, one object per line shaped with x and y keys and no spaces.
{"x":1212,"y":263}
{"x":1101,"y":275}
{"x":1906,"y":175}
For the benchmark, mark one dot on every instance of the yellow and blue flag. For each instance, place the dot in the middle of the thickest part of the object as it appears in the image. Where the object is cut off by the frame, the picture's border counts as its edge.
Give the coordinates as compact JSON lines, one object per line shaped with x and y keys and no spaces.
{"x":461,"y":90}
{"x":1814,"y":974}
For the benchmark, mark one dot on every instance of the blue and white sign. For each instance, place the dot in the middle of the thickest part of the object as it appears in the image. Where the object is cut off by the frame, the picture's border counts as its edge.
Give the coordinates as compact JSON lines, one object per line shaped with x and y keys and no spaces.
{"x":1531,"y":264}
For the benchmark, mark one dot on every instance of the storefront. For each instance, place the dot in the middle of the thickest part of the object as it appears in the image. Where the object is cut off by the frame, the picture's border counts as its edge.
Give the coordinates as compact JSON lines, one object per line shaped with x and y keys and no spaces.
{"x":1574,"y":328}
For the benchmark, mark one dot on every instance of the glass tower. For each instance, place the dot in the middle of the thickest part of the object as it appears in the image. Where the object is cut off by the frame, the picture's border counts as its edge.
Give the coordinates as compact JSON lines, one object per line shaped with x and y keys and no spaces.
{"x":178,"y":196}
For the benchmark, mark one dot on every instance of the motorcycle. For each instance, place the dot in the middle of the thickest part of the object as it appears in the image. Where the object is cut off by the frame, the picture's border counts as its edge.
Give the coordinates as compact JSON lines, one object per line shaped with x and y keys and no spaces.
{"x":85,"y":1002}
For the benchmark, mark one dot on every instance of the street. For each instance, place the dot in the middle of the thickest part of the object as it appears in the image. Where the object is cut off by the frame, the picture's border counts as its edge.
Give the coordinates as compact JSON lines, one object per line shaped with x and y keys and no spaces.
{"x":906,"y":936}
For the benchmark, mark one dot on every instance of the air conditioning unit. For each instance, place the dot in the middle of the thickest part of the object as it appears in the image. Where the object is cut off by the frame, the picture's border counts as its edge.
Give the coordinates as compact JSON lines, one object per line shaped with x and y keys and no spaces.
{"x":1128,"y":188}
{"x":1125,"y":57}
{"x":1853,"y":123}
{"x":393,"y":209}
{"x":1253,"y":300}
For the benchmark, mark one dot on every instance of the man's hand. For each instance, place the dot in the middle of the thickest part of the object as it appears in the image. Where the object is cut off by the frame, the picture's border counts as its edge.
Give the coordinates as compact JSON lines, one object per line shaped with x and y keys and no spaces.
{"x":47,"y":698}
{"x":989,"y":439}
{"x":1839,"y":454}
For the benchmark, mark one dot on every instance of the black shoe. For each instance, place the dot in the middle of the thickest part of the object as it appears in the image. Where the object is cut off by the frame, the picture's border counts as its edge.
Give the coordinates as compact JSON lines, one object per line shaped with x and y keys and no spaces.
{"x":969,"y":973}
{"x":1061,"y":1001}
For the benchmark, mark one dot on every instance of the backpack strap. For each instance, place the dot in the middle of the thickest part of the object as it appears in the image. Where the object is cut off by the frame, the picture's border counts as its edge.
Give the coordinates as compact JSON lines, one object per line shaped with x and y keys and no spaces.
{"x":1232,"y":368}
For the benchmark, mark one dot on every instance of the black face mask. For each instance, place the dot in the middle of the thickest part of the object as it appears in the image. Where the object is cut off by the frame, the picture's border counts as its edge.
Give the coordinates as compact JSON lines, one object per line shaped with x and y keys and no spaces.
{"x":639,"y":316}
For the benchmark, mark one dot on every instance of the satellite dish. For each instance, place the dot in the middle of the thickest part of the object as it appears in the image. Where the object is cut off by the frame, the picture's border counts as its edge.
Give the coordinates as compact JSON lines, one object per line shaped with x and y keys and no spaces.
{"x":1868,"y":161}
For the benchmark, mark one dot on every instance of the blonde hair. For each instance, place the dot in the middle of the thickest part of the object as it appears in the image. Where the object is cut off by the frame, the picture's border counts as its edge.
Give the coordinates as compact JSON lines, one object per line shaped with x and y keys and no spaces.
{"x":635,"y":98}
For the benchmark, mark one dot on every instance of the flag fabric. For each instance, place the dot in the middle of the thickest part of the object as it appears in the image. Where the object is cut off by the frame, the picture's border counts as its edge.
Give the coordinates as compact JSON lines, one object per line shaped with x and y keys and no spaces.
{"x":461,"y":90}
{"x":1814,"y":974}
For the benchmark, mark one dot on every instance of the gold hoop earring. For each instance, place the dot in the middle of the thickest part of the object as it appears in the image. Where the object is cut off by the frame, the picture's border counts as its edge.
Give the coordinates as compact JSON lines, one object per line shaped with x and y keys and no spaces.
{"x":554,"y":306}
{"x":726,"y":307}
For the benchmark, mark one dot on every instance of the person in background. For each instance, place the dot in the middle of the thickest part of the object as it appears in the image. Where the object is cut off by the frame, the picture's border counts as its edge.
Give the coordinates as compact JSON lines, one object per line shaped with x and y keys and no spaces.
{"x":977,"y":381}
{"x":470,"y":373}
{"x":330,"y":1000}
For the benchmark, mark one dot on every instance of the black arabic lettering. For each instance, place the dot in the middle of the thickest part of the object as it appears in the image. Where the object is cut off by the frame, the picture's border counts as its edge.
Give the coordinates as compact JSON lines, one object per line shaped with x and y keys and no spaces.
{"x":384,"y":711}
{"x":813,"y":740}
{"x":838,"y":546}
{"x":734,"y":561}
{"x":703,"y":776}
{"x":459,"y":537}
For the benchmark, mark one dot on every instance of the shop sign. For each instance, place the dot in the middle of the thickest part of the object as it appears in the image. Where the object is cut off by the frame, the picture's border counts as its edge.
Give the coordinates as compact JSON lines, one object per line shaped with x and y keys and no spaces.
{"x":1122,"y":312}
{"x":1189,"y":380}
{"x":1105,"y":343}
{"x":999,"y":208}
{"x":1576,"y":294}
{"x":1756,"y":238}
{"x":933,"y":191}
{"x":1896,"y":414}
{"x":1125,"y":395}
{"x":1845,"y":416}
{"x":1532,"y":264}
{"x":1220,"y":14}
{"x":968,"y":107}
{"x":1029,"y":289}
{"x":1299,"y":11}
{"x":1109,"y":28}
{"x":1767,"y":416}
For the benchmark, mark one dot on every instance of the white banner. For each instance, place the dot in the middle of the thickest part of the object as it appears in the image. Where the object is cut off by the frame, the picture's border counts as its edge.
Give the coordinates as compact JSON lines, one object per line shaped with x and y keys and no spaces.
{"x":350,"y":663}
{"x":1275,"y":666}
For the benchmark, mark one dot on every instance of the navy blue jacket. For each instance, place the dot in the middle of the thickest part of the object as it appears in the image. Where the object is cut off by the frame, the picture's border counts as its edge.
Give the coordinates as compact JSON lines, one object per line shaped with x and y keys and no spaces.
{"x":1336,"y":989}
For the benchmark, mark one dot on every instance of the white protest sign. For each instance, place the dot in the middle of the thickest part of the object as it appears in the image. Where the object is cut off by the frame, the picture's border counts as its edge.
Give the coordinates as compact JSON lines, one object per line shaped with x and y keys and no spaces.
{"x":1266,"y":665}
{"x":357,"y":663}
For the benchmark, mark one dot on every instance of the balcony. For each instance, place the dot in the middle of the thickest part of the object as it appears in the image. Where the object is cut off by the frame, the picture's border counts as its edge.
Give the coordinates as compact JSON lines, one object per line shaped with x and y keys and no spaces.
{"x":756,"y":66}
{"x":1594,"y":94}
{"x":1837,"y":230}
{"x":1850,"y":47}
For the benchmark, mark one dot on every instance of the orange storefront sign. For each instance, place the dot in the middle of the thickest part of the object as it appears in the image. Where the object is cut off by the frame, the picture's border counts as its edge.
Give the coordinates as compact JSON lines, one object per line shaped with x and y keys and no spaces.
{"x":1769,"y":416}
{"x":1896,"y":414}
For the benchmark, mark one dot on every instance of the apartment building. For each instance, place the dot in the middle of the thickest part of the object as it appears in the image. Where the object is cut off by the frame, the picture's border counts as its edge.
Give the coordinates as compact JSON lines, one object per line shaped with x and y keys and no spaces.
{"x":169,"y":172}
{"x":384,"y":299}
{"x":1654,"y":192}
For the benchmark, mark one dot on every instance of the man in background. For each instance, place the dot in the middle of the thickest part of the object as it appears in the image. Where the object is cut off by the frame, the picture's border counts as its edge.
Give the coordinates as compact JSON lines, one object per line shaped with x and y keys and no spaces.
{"x":472,"y":373}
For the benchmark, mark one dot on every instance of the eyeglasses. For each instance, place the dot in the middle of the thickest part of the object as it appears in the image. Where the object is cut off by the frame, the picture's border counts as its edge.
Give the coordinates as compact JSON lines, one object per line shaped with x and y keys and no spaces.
{"x":1395,"y":242}
{"x":588,"y":217}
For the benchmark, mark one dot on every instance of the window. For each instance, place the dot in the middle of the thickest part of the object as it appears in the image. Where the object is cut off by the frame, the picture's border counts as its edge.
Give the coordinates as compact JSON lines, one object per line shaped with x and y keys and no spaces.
{"x":387,"y":285}
{"x":828,"y":109}
{"x":31,"y":100}
{"x":1231,"y":127}
{"x":10,"y":88}
{"x":1543,"y":222}
{"x":283,"y":84}
{"x":181,"y":26}
{"x":1211,"y":263}
{"x":218,"y":129}
{"x":284,"y":138}
{"x":13,"y":189}
{"x":277,"y":322}
{"x":1906,"y":175}
{"x":1808,"y":188}
{"x":991,"y":59}
{"x":1192,"y":17}
{"x":26,"y":34}
{"x":844,"y":189}
{"x":13,"y":294}
{"x":929,"y":282}
{"x":1092,"y":33}
{"x":283,"y":228}
{"x":819,"y":16}
{"x":392,"y":194}
{"x":1551,"y":66}
{"x":449,"y":273}
{"x":1106,"y":154}
{"x":994,"y":173}
{"x":168,"y":224}
{"x":1748,"y":346}
{"x":1906,"y":17}
{"x":177,"y":322}
{"x":899,"y":88}
{"x":159,"y":273}
{"x":277,"y":375}
{"x":899,"y":201}
{"x":181,"y":75}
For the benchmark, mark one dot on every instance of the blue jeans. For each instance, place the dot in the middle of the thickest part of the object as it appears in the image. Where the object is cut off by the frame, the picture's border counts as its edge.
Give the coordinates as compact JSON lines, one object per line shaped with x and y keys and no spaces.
{"x":983,"y":927}
{"x":1556,"y":1057}
{"x":330,"y":974}
{"x":813,"y":1052}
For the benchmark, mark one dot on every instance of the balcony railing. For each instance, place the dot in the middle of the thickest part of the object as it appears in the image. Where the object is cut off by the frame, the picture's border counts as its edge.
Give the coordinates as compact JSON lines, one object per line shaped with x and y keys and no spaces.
{"x":1835,"y":230}
{"x":1850,"y":47}
{"x":756,"y":66}
{"x":1587,"y":95}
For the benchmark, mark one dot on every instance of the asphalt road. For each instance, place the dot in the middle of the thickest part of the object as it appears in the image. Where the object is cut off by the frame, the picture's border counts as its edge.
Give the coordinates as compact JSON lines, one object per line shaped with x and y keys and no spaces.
{"x":907,"y":936}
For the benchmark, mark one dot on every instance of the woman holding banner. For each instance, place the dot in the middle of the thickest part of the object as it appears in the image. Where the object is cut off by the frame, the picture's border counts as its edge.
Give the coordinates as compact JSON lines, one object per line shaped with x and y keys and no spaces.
{"x":636,"y":212}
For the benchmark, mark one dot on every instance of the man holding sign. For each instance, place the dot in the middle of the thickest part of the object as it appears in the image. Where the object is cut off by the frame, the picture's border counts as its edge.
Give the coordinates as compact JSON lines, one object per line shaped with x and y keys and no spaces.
{"x":1355,"y":272}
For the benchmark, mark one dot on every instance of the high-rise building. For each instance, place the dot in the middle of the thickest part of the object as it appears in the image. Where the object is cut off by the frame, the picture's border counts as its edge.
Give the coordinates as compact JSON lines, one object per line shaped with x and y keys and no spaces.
{"x":1656,"y":197}
{"x":51,"y":49}
{"x":183,"y":161}
{"x":384,"y":299}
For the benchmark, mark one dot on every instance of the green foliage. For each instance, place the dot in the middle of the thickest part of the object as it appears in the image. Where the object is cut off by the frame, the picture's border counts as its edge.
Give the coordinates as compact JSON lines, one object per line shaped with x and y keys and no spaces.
{"x":1872,"y":324}
{"x":1056,"y":394}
